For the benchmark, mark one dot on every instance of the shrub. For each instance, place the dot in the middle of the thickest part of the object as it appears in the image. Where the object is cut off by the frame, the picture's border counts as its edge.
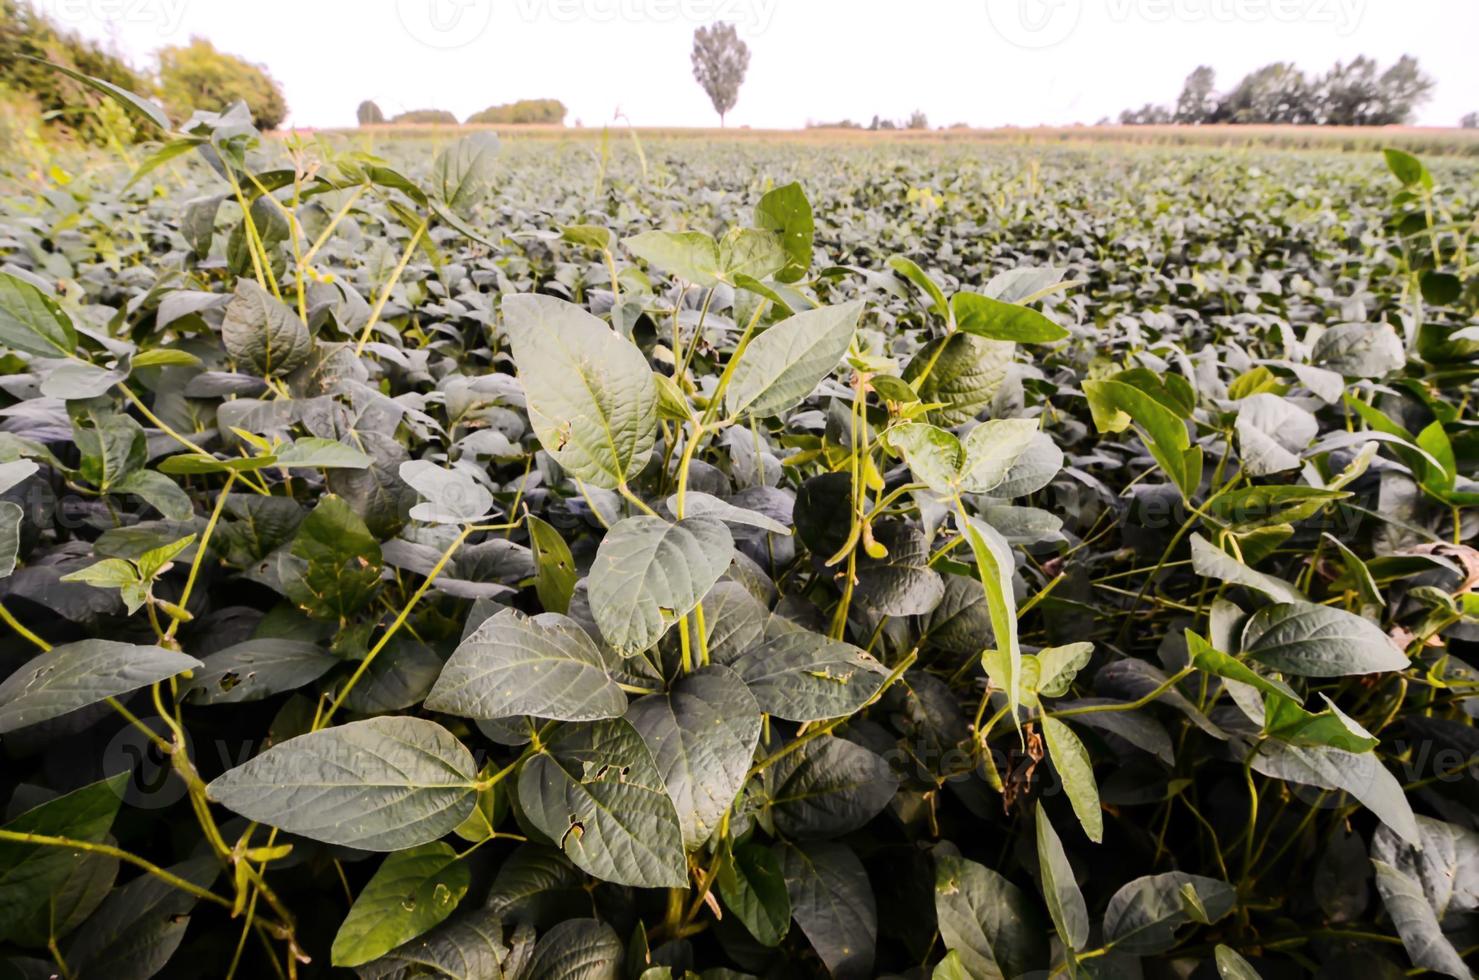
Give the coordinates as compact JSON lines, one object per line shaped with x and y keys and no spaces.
{"x":426,"y":117}
{"x":369,"y":114}
{"x":197,"y":76}
{"x":522,"y":111}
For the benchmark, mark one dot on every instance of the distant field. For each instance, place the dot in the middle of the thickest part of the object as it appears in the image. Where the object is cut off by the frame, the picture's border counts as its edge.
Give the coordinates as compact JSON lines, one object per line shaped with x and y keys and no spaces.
{"x":1416,"y":139}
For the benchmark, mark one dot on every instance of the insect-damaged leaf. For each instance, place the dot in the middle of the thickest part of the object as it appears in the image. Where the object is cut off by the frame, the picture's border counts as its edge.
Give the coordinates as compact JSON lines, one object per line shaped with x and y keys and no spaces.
{"x":546,"y":666}
{"x":648,"y":573}
{"x":595,"y":790}
{"x":804,"y":676}
{"x":411,"y":892}
{"x":75,"y":675}
{"x":383,"y":784}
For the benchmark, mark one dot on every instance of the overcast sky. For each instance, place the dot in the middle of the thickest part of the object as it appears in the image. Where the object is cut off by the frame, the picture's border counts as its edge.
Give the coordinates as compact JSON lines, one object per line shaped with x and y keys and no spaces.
{"x":983,"y":62}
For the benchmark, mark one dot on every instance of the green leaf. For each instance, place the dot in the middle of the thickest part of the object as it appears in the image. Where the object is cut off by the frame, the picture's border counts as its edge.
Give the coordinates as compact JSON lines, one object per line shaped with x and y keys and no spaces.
{"x":160,"y":492}
{"x":590,"y":394}
{"x":576,"y":949}
{"x":467,"y":947}
{"x":1210,"y":561}
{"x":1318,"y":641}
{"x":595,"y":790}
{"x":786,"y":211}
{"x":648,"y":573}
{"x":262,"y":333}
{"x":911,"y":271}
{"x":343,"y":561}
{"x":804,"y":676}
{"x":255,"y":669}
{"x":1071,"y":760}
{"x":986,"y":920}
{"x":1060,"y":888}
{"x":314,"y":453}
{"x":700,"y":504}
{"x":1360,"y":774}
{"x":1142,"y":917}
{"x":702,"y":734}
{"x":753,"y":886}
{"x":964,"y":373}
{"x":1421,"y":933}
{"x":1231,"y":966}
{"x":555,"y":575}
{"x":828,"y":788}
{"x":901,"y":583}
{"x":77,"y":380}
{"x":588,"y":236}
{"x":749,"y":255}
{"x":784,"y":364}
{"x":691,"y":256}
{"x":410,"y":893}
{"x":1285,"y":719}
{"x":995,"y":320}
{"x":112,"y":446}
{"x":933,"y":454}
{"x":462,"y":174}
{"x":1213,"y":661}
{"x":31,"y":321}
{"x":75,"y":675}
{"x":950,"y":967}
{"x":30,"y":874}
{"x":1116,"y":403}
{"x":1406,"y":167}
{"x":383,"y":784}
{"x":992,"y":450}
{"x":136,"y":104}
{"x":1057,"y":666}
{"x":995,"y":565}
{"x":11,"y":516}
{"x":450,"y":496}
{"x":833,"y":903}
{"x":546,"y":666}
{"x":139,"y":926}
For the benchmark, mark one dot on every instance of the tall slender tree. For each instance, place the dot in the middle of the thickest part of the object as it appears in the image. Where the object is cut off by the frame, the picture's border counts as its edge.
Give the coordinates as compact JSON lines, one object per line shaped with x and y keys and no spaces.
{"x":720,"y":60}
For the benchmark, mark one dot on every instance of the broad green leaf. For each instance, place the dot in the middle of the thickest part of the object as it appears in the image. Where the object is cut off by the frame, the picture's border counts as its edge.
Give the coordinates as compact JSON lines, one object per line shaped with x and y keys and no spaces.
{"x":555,"y":575}
{"x":31,"y":321}
{"x":992,"y":450}
{"x":1210,"y":561}
{"x":30,"y":874}
{"x":1231,"y":966}
{"x":700,"y":504}
{"x":384,"y":784}
{"x":995,"y":565}
{"x":1288,"y":721}
{"x":1446,"y":866}
{"x":590,"y":394}
{"x":933,"y":454}
{"x":785,"y":211}
{"x":262,"y":333}
{"x":901,"y":583}
{"x":960,"y":373}
{"x":81,"y":379}
{"x":546,"y":666}
{"x":986,"y":920}
{"x":595,"y":790}
{"x":785,"y":364}
{"x":1116,"y":403}
{"x":11,"y":516}
{"x":649,"y":573}
{"x":1213,"y":661}
{"x":533,"y":885}
{"x":136,"y":104}
{"x":139,"y":926}
{"x":411,"y":892}
{"x":833,"y":903}
{"x":911,"y":271}
{"x":804,"y":676}
{"x":589,"y":236}
{"x":112,"y":446}
{"x":1071,"y":760}
{"x":577,"y":949}
{"x":255,"y":669}
{"x":753,"y":886}
{"x":1421,"y":933}
{"x":1359,"y":350}
{"x":1143,"y":916}
{"x":995,"y":320}
{"x":1060,"y":888}
{"x":1057,"y":666}
{"x":950,"y":967}
{"x":1318,"y":641}
{"x":314,"y":453}
{"x":449,"y":496}
{"x":828,"y":788}
{"x":691,"y":256}
{"x":750,"y":254}
{"x":702,"y":734}
{"x":160,"y":492}
{"x":1406,"y":167}
{"x":1360,"y":774}
{"x":342,"y":561}
{"x":466,"y":947}
{"x":75,"y":675}
{"x":462,"y":174}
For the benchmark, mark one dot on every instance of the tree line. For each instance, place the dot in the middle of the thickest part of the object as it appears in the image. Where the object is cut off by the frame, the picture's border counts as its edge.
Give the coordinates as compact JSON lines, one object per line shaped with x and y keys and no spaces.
{"x":547,"y":111}
{"x":1355,"y":93}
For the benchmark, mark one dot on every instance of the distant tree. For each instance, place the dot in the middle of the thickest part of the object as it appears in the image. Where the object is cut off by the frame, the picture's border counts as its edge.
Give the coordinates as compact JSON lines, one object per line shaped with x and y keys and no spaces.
{"x":369,"y":114}
{"x":1275,"y":93}
{"x":522,"y":111}
{"x":917,"y":120}
{"x":1355,"y":95}
{"x":1149,"y":114}
{"x":720,"y":60}
{"x":1403,"y":88}
{"x":1197,"y":102}
{"x":197,"y":76}
{"x":1470,"y":120}
{"x":428,"y":117}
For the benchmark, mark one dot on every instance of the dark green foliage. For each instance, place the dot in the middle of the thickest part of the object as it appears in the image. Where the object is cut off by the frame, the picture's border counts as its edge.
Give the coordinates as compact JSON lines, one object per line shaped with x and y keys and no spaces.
{"x":522,"y":111}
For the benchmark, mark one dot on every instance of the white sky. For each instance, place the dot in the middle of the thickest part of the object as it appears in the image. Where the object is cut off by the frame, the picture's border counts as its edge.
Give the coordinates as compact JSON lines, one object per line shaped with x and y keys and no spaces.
{"x":985,"y":62}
